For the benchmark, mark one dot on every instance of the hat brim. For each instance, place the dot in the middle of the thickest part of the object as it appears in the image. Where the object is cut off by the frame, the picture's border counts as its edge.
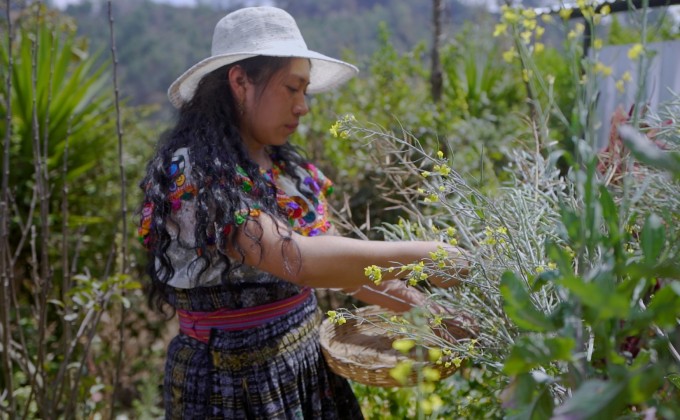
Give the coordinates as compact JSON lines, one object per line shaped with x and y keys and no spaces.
{"x":326,"y":73}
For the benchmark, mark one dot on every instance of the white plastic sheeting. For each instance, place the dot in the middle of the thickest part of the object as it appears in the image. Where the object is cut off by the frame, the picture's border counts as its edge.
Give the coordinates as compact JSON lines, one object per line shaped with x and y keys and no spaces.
{"x":662,"y":80}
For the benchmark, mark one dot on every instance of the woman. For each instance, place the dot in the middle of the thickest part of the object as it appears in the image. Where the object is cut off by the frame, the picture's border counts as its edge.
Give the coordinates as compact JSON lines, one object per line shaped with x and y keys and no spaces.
{"x":236,"y":226}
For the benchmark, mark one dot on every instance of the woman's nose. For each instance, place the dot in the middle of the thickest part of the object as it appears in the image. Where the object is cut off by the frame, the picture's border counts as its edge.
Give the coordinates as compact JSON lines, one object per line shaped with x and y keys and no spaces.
{"x":301,"y":108}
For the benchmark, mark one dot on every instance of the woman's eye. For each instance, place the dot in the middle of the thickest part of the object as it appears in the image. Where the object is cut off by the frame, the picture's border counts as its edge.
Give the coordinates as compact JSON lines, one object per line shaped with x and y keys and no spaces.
{"x":292,"y":89}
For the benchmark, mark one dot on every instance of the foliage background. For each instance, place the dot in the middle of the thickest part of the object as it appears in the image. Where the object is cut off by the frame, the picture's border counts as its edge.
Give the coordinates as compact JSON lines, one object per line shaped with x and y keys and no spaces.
{"x":481,"y":123}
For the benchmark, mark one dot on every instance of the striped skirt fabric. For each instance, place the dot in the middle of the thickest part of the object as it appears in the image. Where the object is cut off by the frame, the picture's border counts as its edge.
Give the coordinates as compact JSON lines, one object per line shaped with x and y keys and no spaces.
{"x":273,"y":371}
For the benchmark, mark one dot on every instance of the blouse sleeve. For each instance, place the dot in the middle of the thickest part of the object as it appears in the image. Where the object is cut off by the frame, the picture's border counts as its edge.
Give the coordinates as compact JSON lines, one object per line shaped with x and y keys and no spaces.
{"x":181,"y":196}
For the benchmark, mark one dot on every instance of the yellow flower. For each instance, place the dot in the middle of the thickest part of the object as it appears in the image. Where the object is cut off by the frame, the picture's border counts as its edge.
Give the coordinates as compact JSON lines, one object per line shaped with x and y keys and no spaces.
{"x":538,"y":48}
{"x":434,"y":354}
{"x":436,"y":402}
{"x":431,"y":374}
{"x":527,"y":74}
{"x":374,"y":273}
{"x":334,"y":129}
{"x":439,"y":254}
{"x":605,"y":10}
{"x":529,"y":24}
{"x":547,"y":18}
{"x":526,"y":36}
{"x":540,"y":269}
{"x":597,"y":44}
{"x":500,"y":29}
{"x":332,"y":314}
{"x":426,"y":387}
{"x":440,"y":154}
{"x":341,"y":320}
{"x":457,"y":361}
{"x":509,"y":55}
{"x":540,"y":31}
{"x":510,"y":16}
{"x":450,"y":231}
{"x":619,"y":86}
{"x":529,"y":13}
{"x":401,"y":371}
{"x":601,"y":68}
{"x":443,"y":170}
{"x":426,"y":406}
{"x":571,"y":35}
{"x":404,"y":345}
{"x":579,"y":28}
{"x":635,"y":51}
{"x":565,"y":13}
{"x":425,"y":174}
{"x":587,"y":12}
{"x":626,"y":77}
{"x":552,"y":266}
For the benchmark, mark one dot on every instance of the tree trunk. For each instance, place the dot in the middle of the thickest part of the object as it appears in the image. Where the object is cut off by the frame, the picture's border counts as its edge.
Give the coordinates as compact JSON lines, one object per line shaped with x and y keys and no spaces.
{"x":436,"y":76}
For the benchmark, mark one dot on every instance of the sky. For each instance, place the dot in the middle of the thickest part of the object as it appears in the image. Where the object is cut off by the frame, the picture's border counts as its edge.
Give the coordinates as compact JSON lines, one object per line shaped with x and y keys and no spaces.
{"x":61,"y":4}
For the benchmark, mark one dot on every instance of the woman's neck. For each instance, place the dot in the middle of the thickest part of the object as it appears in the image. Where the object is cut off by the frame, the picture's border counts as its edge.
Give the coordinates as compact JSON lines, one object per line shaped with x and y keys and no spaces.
{"x":261,"y":156}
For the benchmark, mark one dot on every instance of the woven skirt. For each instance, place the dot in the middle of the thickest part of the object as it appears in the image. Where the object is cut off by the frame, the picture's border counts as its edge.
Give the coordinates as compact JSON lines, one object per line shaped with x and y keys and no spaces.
{"x":273,"y":371}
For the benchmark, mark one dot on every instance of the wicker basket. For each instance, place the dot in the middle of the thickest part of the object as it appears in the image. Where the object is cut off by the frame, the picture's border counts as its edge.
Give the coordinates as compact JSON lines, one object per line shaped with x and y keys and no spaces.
{"x":361,"y":350}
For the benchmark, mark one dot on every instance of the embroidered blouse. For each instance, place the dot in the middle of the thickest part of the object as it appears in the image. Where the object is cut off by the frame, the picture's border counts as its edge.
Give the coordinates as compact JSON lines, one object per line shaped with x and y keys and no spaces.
{"x":246,"y":285}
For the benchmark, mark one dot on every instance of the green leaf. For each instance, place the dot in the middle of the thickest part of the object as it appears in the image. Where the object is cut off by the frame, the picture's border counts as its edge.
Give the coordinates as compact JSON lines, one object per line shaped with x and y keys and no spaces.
{"x":674,"y":378}
{"x":539,"y":409}
{"x":644,"y":383}
{"x":536,"y":350}
{"x":647,"y":152}
{"x":517,"y":304}
{"x":572,"y":224}
{"x":595,"y":399}
{"x":664,"y":307}
{"x":652,"y":239}
{"x":603,"y":301}
{"x":559,"y":256}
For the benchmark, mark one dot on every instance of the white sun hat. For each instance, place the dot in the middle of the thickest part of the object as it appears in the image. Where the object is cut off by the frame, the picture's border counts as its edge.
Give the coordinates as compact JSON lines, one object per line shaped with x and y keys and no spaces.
{"x":254,"y":31}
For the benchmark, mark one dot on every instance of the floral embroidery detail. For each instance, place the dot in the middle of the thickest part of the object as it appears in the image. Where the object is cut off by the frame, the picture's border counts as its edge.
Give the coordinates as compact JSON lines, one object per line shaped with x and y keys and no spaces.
{"x":145,"y":224}
{"x":243,"y":179}
{"x":179,"y":189}
{"x":307,"y":217}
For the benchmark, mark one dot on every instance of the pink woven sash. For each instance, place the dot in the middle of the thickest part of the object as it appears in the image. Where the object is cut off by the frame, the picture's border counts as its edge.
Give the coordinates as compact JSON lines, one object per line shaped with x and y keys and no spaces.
{"x":198,"y":324}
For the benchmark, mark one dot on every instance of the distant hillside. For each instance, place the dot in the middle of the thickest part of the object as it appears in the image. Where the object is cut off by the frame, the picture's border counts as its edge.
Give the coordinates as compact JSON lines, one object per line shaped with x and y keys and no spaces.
{"x":156,"y":42}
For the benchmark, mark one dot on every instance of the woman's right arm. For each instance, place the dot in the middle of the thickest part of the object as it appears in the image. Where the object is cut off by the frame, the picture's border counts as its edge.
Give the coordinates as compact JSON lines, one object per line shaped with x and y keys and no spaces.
{"x":321,"y":261}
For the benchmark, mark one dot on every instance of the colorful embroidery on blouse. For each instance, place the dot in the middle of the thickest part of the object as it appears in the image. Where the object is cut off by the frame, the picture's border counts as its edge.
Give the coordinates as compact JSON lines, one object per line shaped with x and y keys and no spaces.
{"x":145,"y":224}
{"x":243,"y":179}
{"x":179,"y":188}
{"x":307,"y":217}
{"x":240,"y":217}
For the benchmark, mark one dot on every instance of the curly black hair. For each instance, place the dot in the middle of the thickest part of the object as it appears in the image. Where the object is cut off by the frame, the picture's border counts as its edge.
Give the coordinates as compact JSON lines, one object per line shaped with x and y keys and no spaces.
{"x":208,"y":126}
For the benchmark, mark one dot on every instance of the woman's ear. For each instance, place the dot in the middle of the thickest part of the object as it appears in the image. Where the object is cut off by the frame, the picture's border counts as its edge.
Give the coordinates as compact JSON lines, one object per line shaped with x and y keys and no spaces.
{"x":237,"y":82}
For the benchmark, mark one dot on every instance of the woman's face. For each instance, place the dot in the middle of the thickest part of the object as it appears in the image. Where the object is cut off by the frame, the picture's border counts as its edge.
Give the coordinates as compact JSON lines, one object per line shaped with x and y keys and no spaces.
{"x":271,"y":113}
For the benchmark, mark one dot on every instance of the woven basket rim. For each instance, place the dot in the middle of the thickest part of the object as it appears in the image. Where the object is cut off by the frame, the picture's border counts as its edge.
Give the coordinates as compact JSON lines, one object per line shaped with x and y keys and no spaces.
{"x":374,"y":373}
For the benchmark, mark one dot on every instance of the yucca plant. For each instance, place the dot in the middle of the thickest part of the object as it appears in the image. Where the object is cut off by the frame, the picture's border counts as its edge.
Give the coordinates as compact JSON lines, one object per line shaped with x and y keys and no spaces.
{"x":58,"y":282}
